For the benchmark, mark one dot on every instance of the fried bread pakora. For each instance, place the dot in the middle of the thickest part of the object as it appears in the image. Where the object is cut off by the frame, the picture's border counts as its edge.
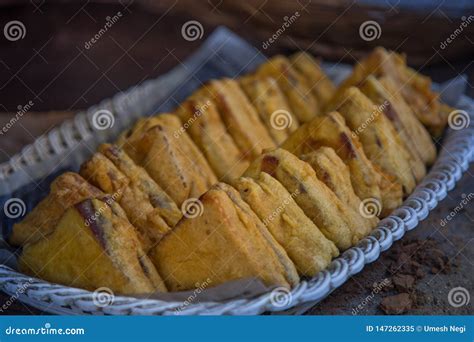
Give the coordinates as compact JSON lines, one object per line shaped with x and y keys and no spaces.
{"x":300,"y":98}
{"x":92,"y":247}
{"x":101,"y":172}
{"x":319,"y":203}
{"x":330,"y":130}
{"x":415,"y":88}
{"x":271,"y":105}
{"x":306,"y":246}
{"x":332,"y":171}
{"x":224,"y":243}
{"x":405,"y":120}
{"x":204,"y":125}
{"x":391,"y":108}
{"x":161,"y":202}
{"x":380,"y":141}
{"x":65,"y":191}
{"x":308,"y":67}
{"x":238,"y":114}
{"x":170,"y":157}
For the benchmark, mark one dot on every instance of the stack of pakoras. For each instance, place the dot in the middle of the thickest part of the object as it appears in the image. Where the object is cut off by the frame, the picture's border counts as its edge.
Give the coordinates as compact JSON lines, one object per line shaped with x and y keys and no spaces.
{"x":266,"y":176}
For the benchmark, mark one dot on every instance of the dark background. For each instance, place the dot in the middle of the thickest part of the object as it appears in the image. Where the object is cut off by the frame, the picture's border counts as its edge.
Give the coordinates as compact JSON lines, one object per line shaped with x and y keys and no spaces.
{"x":52,"y":68}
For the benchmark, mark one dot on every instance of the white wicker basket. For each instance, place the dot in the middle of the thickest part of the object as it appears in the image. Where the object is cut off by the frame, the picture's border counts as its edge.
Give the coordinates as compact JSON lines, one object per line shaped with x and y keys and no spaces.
{"x":455,"y":155}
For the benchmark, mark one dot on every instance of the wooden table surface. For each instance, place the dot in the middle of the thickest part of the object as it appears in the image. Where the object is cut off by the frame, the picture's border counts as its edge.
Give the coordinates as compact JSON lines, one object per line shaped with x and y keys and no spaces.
{"x":52,"y":68}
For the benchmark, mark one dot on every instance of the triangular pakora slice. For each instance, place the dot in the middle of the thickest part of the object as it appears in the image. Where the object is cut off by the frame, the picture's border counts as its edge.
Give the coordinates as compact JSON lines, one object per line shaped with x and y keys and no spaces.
{"x":308,"y":67}
{"x":202,"y":121}
{"x":163,"y":148}
{"x":90,"y":247}
{"x":380,"y":141}
{"x":293,"y":85}
{"x":307,"y":247}
{"x":318,"y":202}
{"x":225,"y":242}
{"x":332,"y":171}
{"x":65,"y":191}
{"x":240,"y":117}
{"x":270,"y":103}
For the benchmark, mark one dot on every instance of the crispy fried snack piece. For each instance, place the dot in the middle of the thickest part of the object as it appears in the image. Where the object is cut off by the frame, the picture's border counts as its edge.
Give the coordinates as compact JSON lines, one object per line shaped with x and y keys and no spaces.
{"x":170,"y":157}
{"x":204,"y":125}
{"x":330,"y":130}
{"x":239,"y":116}
{"x":307,"y":247}
{"x":91,"y":247}
{"x":318,"y":202}
{"x":331,"y":170}
{"x":405,"y":120}
{"x":132,"y":195}
{"x":379,"y":138}
{"x":66,"y":190}
{"x":300,"y":98}
{"x":415,"y":88}
{"x":226,"y":242}
{"x":271,"y":105}
{"x":161,"y":202}
{"x":308,"y":67}
{"x":392,"y":193}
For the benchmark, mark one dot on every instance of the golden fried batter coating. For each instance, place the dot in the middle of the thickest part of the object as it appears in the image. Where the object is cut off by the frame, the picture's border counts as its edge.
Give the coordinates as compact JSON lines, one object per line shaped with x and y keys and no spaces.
{"x":203,"y":123}
{"x":307,"y":247}
{"x":271,"y":105}
{"x":91,"y":247}
{"x":226,"y":242}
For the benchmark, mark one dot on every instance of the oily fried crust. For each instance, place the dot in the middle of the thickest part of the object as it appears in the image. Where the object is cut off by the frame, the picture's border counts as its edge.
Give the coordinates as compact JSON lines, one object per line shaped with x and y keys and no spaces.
{"x":200,"y":116}
{"x":223,"y":243}
{"x":65,"y":191}
{"x":379,"y":138}
{"x":90,"y":233}
{"x":170,"y":157}
{"x":308,"y":67}
{"x":331,"y":170}
{"x":298,"y":94}
{"x":238,"y":114}
{"x":307,"y":247}
{"x":271,"y":105}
